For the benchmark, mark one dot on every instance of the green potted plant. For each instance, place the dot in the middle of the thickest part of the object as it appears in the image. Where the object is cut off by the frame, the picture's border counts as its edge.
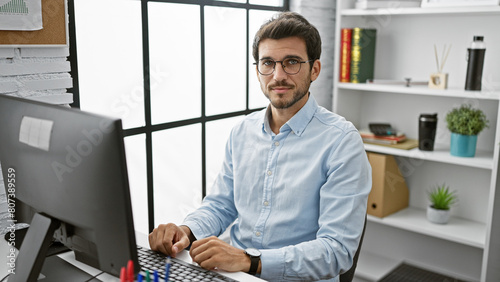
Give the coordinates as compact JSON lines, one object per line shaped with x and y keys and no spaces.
{"x":465,"y":123}
{"x":441,"y":199}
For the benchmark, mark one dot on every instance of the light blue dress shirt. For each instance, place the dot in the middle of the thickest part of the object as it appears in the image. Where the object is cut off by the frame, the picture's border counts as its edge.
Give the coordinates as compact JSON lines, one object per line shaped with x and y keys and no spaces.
{"x":299,"y":196}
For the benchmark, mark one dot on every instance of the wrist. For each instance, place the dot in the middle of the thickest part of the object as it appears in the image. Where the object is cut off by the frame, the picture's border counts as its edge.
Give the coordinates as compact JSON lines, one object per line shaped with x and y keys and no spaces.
{"x":255,"y":263}
{"x":189,"y":234}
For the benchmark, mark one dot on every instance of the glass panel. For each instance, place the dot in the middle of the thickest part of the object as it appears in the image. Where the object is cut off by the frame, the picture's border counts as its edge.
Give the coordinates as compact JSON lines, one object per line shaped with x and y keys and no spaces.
{"x":110,"y":59}
{"x":177,"y":173}
{"x":175,"y":58}
{"x":275,"y":3}
{"x":135,"y":147}
{"x":256,"y":97}
{"x":217,"y":134}
{"x":225,"y":60}
{"x":234,"y":1}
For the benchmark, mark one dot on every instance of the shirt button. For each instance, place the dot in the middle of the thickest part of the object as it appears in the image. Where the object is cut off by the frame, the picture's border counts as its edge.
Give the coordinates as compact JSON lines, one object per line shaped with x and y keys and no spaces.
{"x":269,"y":172}
{"x":276,"y":143}
{"x":257,"y":233}
{"x":266,"y":203}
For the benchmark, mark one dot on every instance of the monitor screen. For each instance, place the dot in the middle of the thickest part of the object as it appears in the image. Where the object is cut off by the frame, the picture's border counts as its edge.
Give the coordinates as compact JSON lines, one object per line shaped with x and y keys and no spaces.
{"x":68,"y":167}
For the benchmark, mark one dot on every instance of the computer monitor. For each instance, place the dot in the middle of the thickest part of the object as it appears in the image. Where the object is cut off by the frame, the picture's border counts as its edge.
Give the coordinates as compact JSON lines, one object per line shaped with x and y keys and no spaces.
{"x":69,"y":167}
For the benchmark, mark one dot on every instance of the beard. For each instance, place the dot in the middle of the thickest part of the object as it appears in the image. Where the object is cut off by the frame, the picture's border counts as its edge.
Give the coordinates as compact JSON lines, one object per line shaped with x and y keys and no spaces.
{"x":278,"y":102}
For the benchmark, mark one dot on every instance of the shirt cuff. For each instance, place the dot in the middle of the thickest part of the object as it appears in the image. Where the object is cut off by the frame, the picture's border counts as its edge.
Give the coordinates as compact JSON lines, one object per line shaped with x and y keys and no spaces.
{"x":272,"y":264}
{"x":195,"y":228}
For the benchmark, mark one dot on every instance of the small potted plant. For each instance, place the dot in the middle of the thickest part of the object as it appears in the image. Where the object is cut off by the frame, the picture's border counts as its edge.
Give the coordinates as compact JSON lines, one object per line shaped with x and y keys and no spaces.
{"x":441,"y":201}
{"x":465,"y":123}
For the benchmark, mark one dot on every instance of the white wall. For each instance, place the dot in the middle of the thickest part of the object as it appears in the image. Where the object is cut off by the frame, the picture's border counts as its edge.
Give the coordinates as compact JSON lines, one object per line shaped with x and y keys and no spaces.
{"x":321,"y":13}
{"x":36,"y":73}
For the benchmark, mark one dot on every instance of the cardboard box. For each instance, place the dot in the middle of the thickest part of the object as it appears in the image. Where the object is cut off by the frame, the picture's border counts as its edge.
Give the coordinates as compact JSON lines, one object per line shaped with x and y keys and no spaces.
{"x":389,"y":191}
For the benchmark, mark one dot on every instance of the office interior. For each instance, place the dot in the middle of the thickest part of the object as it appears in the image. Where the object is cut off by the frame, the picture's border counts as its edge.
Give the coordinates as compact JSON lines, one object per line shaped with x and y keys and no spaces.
{"x":179,"y":74}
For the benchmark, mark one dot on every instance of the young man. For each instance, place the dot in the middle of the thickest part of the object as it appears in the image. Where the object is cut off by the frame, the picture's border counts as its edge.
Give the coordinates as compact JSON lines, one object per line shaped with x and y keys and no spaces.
{"x":295,"y":177}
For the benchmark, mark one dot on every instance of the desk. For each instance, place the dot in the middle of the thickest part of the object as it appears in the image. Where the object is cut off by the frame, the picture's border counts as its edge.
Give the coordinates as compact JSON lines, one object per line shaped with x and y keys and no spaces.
{"x":142,"y":240}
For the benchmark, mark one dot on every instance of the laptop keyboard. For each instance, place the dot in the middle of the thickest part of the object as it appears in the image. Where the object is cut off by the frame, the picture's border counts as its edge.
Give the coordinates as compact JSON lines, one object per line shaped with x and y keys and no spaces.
{"x":179,"y":270}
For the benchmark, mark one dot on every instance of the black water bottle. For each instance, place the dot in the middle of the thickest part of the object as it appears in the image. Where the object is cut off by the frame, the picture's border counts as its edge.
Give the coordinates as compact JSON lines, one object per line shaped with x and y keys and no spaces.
{"x":475,"y":62}
{"x":427,"y":125}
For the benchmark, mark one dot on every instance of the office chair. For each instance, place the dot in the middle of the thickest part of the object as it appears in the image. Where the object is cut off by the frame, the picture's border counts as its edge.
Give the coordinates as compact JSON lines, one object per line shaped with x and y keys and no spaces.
{"x":349,"y":275}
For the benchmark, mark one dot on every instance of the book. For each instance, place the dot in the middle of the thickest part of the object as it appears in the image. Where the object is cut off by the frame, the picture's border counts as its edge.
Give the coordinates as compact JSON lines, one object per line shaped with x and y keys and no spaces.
{"x":370,"y":137}
{"x":369,"y":134}
{"x":405,"y":145}
{"x":363,"y":54}
{"x":345,"y":55}
{"x":381,"y":141}
{"x":393,"y":4}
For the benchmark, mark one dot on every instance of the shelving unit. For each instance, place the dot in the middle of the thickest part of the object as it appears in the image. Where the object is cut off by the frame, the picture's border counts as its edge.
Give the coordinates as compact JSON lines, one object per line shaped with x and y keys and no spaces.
{"x":422,"y":90}
{"x":421,"y":11}
{"x":458,"y":230}
{"x":468,"y":246}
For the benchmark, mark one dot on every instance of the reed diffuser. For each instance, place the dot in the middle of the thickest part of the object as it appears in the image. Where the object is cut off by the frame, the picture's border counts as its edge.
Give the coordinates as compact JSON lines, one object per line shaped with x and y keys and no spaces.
{"x":439,"y":80}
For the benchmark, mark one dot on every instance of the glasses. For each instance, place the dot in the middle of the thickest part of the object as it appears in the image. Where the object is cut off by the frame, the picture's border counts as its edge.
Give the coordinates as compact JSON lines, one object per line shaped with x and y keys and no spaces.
{"x":290,"y":66}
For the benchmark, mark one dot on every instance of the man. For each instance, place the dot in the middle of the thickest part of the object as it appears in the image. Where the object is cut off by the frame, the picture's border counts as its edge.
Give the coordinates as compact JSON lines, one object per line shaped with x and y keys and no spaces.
{"x":295,"y":178}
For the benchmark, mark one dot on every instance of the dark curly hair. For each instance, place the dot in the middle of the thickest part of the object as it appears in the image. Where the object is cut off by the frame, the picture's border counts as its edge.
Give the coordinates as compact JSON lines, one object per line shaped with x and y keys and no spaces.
{"x":289,"y":24}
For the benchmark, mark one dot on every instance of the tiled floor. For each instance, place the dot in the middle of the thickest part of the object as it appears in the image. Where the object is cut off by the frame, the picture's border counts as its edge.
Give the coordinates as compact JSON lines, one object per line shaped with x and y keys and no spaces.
{"x":409,"y":273}
{"x":359,"y":279}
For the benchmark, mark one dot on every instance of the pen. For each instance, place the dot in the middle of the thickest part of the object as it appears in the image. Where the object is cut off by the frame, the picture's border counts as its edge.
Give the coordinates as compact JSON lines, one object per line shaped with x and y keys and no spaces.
{"x":156,"y":276}
{"x":123,"y":275}
{"x":148,"y":279}
{"x":139,"y":277}
{"x":130,"y":271}
{"x":167,"y":268}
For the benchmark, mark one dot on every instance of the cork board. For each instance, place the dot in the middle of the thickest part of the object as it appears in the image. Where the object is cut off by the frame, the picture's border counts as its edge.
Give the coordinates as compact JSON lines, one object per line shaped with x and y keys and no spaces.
{"x":54,"y":31}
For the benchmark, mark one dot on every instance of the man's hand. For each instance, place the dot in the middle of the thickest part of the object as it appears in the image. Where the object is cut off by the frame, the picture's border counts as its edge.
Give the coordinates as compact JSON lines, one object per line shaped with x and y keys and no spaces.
{"x":170,"y":239}
{"x":212,"y":252}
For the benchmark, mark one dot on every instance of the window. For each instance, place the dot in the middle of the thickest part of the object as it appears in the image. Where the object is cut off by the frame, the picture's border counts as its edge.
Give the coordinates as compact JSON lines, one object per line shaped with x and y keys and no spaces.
{"x":162,"y":66}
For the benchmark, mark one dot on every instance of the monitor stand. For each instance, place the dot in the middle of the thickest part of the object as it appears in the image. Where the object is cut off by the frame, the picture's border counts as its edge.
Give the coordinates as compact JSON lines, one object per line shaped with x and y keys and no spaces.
{"x":39,"y":252}
{"x":31,"y":255}
{"x":56,"y":269}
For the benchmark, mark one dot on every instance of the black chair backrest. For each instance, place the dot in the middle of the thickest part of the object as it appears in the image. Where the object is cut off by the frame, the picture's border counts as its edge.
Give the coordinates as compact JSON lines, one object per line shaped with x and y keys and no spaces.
{"x":349,"y":275}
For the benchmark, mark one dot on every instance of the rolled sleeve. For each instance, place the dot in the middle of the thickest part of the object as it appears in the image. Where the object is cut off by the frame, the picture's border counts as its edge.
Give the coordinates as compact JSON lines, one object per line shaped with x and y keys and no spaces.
{"x":273,"y":264}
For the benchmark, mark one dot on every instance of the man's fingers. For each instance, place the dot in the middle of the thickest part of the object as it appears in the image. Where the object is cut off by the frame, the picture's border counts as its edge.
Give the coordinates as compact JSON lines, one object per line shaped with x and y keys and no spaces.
{"x":207,"y":252}
{"x":202,"y":245}
{"x":179,"y":246}
{"x":206,"y":259}
{"x":163,"y":237}
{"x":159,"y":235}
{"x":153,"y":239}
{"x":209,"y":264}
{"x":212,"y":253}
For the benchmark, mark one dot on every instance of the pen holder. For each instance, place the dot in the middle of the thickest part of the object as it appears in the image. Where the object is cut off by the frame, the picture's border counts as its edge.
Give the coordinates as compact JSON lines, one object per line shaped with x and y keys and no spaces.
{"x":438,"y":80}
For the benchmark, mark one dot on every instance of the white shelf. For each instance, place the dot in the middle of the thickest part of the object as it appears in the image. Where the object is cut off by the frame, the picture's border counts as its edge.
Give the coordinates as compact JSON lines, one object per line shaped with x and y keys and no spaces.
{"x":441,"y":153}
{"x":458,"y":230}
{"x":374,"y":267}
{"x":422,"y":11}
{"x":403,"y":34}
{"x":422,"y":90}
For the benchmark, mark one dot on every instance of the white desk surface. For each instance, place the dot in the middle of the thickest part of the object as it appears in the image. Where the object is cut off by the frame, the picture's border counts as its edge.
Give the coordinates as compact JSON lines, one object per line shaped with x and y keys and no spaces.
{"x":141,"y":239}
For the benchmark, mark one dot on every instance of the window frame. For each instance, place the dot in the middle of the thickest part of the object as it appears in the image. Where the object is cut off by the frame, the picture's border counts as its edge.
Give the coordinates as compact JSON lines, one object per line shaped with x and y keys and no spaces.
{"x":148,"y":129}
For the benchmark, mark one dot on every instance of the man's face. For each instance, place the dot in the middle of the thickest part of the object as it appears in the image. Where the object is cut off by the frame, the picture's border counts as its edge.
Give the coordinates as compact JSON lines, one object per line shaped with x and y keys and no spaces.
{"x":284,"y":90}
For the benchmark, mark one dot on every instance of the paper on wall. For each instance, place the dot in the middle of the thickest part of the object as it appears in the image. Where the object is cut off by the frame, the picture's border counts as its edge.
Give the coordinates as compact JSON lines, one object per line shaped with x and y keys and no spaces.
{"x":21,"y":15}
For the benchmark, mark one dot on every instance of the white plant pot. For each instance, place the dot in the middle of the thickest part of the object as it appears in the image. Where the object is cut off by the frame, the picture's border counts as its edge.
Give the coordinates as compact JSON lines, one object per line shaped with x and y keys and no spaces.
{"x":438,"y":216}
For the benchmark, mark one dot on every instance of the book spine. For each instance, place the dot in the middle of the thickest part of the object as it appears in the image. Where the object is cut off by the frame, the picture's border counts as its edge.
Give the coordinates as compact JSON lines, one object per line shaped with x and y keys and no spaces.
{"x":363,"y":54}
{"x":380,"y":141}
{"x":392,"y":138}
{"x":345,"y":54}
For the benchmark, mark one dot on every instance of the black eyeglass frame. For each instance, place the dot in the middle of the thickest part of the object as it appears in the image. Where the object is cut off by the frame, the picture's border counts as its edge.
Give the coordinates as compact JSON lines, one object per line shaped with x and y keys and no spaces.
{"x":284,"y":67}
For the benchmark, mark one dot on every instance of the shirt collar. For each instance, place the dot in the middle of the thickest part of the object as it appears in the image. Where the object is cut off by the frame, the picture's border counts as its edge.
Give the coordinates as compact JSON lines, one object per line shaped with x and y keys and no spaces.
{"x":298,"y":122}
